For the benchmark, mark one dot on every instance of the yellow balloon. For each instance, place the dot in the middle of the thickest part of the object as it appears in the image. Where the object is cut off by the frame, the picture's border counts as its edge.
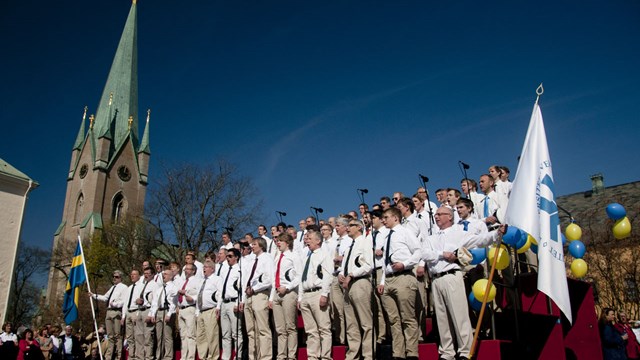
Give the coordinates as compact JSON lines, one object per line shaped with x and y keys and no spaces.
{"x":532,"y":240}
{"x":622,"y":228}
{"x":573,"y":232}
{"x":579,"y":268}
{"x":479,"y":290}
{"x":525,"y":247}
{"x":503,"y":257}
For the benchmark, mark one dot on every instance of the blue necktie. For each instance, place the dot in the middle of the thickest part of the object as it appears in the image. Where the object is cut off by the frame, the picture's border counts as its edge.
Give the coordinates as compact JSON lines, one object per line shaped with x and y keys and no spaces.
{"x":486,"y":206}
{"x":464,"y":223}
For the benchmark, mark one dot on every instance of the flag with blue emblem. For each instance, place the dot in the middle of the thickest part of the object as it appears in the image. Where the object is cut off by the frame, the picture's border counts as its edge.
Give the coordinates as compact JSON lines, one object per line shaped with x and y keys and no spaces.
{"x":77,"y":278}
{"x":532,"y":208}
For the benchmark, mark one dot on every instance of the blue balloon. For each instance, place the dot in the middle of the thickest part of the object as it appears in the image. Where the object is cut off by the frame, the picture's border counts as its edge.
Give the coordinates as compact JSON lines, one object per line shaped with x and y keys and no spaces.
{"x":534,"y":248}
{"x":564,"y":239}
{"x":474,"y":303}
{"x":479,"y":254}
{"x":512,"y":236}
{"x":616,"y":211}
{"x":577,"y":249}
{"x":522,"y":240}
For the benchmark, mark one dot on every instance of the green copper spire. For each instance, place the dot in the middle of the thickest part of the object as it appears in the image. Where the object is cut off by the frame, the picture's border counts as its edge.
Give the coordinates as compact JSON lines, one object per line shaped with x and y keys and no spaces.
{"x":144,"y":144}
{"x":120,"y":95}
{"x":80,"y":138}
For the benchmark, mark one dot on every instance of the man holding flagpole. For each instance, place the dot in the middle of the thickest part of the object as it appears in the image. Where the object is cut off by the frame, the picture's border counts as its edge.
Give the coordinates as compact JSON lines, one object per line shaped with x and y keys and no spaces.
{"x":533,"y":209}
{"x":115,"y":299}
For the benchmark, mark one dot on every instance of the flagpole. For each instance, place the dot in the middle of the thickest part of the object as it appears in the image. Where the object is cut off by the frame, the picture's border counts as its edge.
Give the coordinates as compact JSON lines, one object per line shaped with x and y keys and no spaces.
{"x":539,"y":92}
{"x":486,"y":295}
{"x":93,"y":311}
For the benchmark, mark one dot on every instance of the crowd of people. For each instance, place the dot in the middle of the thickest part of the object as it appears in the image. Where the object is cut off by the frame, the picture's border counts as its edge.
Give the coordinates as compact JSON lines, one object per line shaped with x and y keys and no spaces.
{"x":47,"y":343}
{"x":360,"y":279}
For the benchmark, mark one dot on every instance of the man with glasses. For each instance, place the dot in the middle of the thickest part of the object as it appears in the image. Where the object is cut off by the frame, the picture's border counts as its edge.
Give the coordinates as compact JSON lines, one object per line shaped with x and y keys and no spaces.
{"x":207,"y":300}
{"x":449,"y":296}
{"x":115,"y":299}
{"x":230,"y":297}
{"x":355,"y":280}
{"x":398,"y":285}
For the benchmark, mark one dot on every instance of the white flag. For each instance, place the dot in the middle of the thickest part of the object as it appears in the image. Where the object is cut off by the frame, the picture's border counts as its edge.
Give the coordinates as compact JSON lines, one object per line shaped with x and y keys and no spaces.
{"x":532,"y":208}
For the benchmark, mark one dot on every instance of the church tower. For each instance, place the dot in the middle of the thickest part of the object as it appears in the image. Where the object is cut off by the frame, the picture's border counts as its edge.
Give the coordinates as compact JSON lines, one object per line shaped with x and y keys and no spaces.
{"x":109,"y":163}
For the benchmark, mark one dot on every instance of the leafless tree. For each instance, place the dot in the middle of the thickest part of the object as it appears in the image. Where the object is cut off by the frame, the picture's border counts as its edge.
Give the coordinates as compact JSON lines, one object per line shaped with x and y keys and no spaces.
{"x":25,"y":294}
{"x":190,"y":200}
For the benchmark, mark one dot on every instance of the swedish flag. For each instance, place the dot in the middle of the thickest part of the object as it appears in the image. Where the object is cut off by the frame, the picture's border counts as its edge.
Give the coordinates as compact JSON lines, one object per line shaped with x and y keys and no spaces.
{"x":77,"y":277}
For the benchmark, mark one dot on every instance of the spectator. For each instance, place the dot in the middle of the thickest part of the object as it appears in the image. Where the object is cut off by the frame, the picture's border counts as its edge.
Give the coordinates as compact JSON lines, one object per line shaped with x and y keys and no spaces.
{"x":44,"y":340}
{"x":28,"y":348}
{"x":612,"y":340}
{"x":623,"y":327}
{"x":8,"y":342}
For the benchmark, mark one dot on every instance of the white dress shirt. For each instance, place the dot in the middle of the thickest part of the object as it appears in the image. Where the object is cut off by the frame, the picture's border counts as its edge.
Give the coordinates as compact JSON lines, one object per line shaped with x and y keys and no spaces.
{"x":290,"y":270}
{"x":209,"y":293}
{"x":404,"y":247}
{"x":116,"y":296}
{"x":164,"y":298}
{"x":264,"y":273}
{"x":319,"y":273}
{"x":450,"y":240}
{"x":359,"y":257}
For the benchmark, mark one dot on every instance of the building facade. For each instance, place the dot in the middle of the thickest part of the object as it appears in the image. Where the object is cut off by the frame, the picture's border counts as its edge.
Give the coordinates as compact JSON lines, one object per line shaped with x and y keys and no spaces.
{"x":107,"y":176}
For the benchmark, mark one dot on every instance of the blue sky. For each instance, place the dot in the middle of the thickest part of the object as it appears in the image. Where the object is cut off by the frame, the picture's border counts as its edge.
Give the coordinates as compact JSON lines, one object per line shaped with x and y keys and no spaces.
{"x":316,"y":99}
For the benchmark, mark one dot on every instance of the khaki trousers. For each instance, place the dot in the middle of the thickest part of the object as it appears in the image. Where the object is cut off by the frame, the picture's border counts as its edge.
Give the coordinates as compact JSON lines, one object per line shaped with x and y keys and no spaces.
{"x":164,"y":335}
{"x":317,"y":325}
{"x":130,"y":334}
{"x":399,"y":300}
{"x":285,"y":312}
{"x":258,"y":327}
{"x":114,"y":334}
{"x":231,"y":330}
{"x":450,"y":304}
{"x":187,"y":324}
{"x":208,"y":335}
{"x":144,"y":336}
{"x":337,"y":310}
{"x":359,"y":317}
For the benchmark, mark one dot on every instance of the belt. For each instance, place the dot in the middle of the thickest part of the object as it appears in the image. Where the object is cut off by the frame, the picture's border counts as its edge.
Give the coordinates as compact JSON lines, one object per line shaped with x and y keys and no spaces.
{"x":143,"y":308}
{"x":115,"y":309}
{"x":379,"y":267}
{"x":404,"y":272}
{"x":439,"y":275}
{"x":134,"y":310}
{"x":186,"y":306}
{"x":314,"y":289}
{"x":226,"y":301}
{"x":205,"y":310}
{"x":163,"y":309}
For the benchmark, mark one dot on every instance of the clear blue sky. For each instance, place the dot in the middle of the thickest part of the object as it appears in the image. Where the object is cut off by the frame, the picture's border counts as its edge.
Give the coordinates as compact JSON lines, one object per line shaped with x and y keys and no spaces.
{"x":316,"y":99}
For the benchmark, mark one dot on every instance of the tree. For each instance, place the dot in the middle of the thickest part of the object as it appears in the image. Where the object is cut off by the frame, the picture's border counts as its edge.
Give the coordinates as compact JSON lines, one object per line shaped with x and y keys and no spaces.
{"x":190,"y":200}
{"x":25,"y":296}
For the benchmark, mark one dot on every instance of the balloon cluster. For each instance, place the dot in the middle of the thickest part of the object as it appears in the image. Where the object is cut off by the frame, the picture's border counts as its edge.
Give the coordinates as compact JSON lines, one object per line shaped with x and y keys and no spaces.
{"x":573,"y":233}
{"x":622,"y":226}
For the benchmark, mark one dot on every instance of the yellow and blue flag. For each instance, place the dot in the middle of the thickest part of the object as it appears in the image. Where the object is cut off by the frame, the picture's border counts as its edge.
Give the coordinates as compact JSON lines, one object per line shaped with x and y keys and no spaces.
{"x":77,"y":278}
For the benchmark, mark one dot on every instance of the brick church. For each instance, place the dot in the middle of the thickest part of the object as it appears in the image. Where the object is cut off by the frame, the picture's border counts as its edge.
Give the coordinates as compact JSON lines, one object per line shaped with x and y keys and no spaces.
{"x":109,"y":163}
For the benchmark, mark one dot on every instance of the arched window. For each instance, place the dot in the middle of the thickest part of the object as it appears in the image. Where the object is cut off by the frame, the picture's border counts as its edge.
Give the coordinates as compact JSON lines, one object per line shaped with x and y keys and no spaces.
{"x":77,"y":216}
{"x":118,"y":207}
